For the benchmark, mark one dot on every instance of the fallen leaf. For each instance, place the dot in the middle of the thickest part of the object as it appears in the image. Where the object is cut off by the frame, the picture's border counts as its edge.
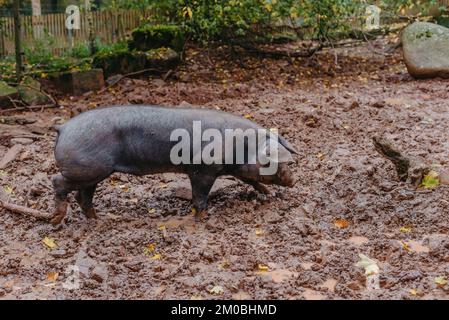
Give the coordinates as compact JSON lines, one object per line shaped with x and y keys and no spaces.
{"x":440,"y":281}
{"x":162,"y":227}
{"x":124,"y":187}
{"x":262,"y":268}
{"x":149,"y":249}
{"x":341,"y":223}
{"x":406,"y":246}
{"x":196,"y":297}
{"x":52,"y":276}
{"x":405,"y":229}
{"x":49,"y":242}
{"x":223,"y":265}
{"x":151,"y":211}
{"x":247,"y":116}
{"x":216,"y":290}
{"x":431,"y":180}
{"x":157,"y":256}
{"x":259,"y":232}
{"x":320,"y":156}
{"x":368,"y":264}
{"x":7,"y":189}
{"x":413,"y":292}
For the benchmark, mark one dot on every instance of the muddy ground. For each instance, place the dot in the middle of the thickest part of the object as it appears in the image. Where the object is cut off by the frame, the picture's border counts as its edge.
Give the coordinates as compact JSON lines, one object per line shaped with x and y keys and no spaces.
{"x":301,"y":243}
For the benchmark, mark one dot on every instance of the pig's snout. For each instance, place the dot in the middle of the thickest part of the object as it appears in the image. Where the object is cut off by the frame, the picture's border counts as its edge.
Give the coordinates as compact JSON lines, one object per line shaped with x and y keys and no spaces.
{"x":285,"y":176}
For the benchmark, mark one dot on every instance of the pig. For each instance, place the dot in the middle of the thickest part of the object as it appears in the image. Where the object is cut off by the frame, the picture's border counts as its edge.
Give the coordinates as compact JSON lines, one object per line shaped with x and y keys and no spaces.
{"x":137,"y":140}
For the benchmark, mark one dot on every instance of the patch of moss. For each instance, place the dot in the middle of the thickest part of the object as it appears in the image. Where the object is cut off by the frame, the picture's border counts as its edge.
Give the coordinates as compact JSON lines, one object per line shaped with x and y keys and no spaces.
{"x":126,"y":61}
{"x":426,"y":34}
{"x":443,"y":21}
{"x":6,"y":90}
{"x":156,"y":36}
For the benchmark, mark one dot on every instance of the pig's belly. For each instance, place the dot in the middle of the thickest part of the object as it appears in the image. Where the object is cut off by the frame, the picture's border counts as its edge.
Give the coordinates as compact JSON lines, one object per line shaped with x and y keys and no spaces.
{"x":147,"y":168}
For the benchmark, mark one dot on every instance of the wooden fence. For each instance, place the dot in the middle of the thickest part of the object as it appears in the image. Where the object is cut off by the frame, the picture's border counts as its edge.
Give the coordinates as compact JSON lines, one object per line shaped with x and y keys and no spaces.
{"x":109,"y":26}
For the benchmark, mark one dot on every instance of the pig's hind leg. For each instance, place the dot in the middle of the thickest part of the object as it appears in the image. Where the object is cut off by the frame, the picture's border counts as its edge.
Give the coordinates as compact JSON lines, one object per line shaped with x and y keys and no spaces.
{"x":84,"y":198}
{"x":62,"y":188}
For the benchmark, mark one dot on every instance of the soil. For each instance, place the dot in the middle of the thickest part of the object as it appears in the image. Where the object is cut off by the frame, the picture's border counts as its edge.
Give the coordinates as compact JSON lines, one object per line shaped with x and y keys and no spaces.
{"x":299,"y":243}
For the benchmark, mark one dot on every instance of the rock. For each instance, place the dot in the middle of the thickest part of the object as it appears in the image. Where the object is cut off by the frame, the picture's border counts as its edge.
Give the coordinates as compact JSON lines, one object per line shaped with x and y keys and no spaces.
{"x":29,"y":92}
{"x":158,"y":82}
{"x":426,"y":50}
{"x":156,"y":36}
{"x":99,"y":273}
{"x":6,"y":94}
{"x":221,"y":184}
{"x":181,"y":189}
{"x":444,"y":177}
{"x":125,"y":62}
{"x":79,"y":82}
{"x":185,"y":104}
{"x":59,"y":253}
{"x":22,"y":141}
{"x":10,"y":155}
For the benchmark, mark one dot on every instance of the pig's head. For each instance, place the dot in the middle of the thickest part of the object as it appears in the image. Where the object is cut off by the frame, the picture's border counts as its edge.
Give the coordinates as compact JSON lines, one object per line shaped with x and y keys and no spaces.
{"x":273,"y":168}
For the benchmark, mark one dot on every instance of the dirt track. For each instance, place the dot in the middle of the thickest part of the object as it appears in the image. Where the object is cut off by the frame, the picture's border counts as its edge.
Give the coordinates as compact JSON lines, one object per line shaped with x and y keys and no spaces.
{"x":330,"y":114}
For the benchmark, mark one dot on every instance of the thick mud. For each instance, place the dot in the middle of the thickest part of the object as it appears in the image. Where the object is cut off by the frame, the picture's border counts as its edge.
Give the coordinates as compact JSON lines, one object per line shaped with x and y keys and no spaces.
{"x":292,"y":245}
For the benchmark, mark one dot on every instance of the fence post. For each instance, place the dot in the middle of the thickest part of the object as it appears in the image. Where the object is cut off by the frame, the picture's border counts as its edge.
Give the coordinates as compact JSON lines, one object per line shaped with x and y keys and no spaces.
{"x":36,"y":21}
{"x":92,"y":45}
{"x":17,"y":39}
{"x":2,"y":39}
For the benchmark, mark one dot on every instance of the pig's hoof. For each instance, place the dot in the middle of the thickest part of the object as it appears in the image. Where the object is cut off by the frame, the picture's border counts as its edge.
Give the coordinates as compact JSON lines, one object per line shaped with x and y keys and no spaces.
{"x":60,"y":212}
{"x":200,"y":215}
{"x":263,"y":189}
{"x":57,"y":219}
{"x":90,"y":213}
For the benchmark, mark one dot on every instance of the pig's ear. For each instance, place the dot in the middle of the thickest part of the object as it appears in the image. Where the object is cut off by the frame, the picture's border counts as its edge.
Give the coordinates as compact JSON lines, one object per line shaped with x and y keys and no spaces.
{"x":283,"y":142}
{"x":287,"y":145}
{"x":283,"y":155}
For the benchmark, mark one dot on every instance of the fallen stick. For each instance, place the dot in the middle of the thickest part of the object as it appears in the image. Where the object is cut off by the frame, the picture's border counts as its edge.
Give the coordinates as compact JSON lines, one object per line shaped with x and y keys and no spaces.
{"x":121,"y":77}
{"x":42,"y":107}
{"x":16,"y":120}
{"x":25,"y":211}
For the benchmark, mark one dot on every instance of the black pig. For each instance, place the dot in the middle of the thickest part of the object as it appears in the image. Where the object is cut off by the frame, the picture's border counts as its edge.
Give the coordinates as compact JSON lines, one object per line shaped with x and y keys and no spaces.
{"x":136,"y":140}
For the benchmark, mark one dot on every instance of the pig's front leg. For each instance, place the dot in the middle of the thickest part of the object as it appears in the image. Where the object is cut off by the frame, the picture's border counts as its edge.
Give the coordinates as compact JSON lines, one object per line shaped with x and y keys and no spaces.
{"x":201,"y":185}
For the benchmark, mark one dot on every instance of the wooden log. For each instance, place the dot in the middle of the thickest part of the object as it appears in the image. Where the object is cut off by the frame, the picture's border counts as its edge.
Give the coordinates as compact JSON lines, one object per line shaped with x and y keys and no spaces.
{"x":410,"y":170}
{"x":25,"y":211}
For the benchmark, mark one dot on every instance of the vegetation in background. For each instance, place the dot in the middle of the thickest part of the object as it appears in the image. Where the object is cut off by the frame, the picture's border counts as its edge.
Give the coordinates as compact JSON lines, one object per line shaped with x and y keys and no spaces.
{"x":40,"y":61}
{"x":224,"y":21}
